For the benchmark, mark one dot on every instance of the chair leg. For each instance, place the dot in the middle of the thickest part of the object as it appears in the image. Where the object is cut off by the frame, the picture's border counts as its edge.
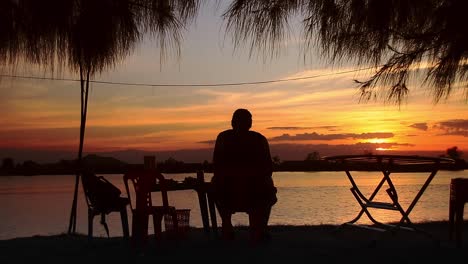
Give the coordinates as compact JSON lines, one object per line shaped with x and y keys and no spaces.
{"x":124,"y":218}
{"x":174,"y":232}
{"x":451,"y":218}
{"x":134,"y":240}
{"x":459,"y":223}
{"x":90,"y":223}
{"x":139,"y":229}
{"x":175,"y":221}
{"x":157,"y":224}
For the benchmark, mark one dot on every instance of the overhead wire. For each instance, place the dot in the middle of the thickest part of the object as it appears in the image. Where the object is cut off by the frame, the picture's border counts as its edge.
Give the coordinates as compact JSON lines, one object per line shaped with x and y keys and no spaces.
{"x":189,"y":85}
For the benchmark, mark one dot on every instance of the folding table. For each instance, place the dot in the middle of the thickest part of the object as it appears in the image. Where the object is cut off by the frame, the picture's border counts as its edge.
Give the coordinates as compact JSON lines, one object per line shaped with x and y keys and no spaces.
{"x":387,"y":164}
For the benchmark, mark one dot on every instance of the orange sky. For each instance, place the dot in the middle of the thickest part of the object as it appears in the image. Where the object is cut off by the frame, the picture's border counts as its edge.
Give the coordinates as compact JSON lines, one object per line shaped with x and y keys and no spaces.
{"x":316,"y":112}
{"x":45,"y":115}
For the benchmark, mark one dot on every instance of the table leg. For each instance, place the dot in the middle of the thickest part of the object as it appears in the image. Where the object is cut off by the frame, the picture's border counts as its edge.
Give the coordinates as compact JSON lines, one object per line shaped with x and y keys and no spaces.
{"x":201,"y":191}
{"x":421,"y":191}
{"x":392,"y":193}
{"x":214,"y":222}
{"x":204,"y":210}
{"x":405,"y":214}
{"x":140,"y":220}
{"x":360,"y":197}
{"x":139,"y":229}
{"x":365,"y":202}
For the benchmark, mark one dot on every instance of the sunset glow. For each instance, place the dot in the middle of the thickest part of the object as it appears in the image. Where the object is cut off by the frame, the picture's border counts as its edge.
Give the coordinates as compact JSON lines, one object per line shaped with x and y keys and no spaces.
{"x":377,"y":140}
{"x":322,"y":113}
{"x":382,"y":149}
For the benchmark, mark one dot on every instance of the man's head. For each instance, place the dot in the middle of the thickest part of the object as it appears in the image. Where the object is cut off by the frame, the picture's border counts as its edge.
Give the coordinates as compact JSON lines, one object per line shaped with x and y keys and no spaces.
{"x":241,"y":120}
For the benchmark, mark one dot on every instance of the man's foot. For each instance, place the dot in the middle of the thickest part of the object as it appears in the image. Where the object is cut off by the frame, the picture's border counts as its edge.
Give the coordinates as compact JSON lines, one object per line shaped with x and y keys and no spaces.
{"x":260,"y":238}
{"x":266,"y":237}
{"x":227,"y":235}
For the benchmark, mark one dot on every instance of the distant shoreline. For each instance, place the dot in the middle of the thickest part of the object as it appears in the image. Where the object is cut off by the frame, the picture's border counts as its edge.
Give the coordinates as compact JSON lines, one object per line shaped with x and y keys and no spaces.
{"x":292,"y":169}
{"x":107,"y":165}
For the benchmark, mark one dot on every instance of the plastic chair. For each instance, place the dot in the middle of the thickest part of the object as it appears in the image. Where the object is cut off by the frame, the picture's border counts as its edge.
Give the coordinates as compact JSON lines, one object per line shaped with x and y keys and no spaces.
{"x":143,"y":184}
{"x":458,"y":198}
{"x":103,"y":198}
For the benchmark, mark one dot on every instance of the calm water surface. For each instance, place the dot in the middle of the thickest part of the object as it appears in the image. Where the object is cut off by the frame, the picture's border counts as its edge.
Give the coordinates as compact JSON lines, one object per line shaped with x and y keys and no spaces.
{"x":40,"y":205}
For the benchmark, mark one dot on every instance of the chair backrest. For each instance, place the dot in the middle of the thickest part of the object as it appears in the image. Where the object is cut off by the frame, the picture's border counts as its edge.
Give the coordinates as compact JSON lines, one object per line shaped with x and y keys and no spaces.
{"x":143,"y":181}
{"x":100,"y":193}
{"x":87,"y":179}
{"x":131,"y":179}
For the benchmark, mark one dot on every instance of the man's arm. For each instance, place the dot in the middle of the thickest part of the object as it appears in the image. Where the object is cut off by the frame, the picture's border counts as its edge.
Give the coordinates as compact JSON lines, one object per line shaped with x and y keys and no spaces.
{"x":268,"y":164}
{"x":217,"y":153}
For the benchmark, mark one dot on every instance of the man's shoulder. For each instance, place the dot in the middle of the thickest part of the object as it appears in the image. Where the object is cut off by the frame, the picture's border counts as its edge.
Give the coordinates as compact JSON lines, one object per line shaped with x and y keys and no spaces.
{"x":251,"y":134}
{"x":226,"y":132}
{"x":256,"y":134}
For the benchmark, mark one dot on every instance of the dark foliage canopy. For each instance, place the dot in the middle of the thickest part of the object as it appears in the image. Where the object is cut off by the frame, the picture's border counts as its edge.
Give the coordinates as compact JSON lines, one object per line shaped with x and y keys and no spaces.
{"x":425,"y":40}
{"x":92,"y":35}
{"x":395,"y":36}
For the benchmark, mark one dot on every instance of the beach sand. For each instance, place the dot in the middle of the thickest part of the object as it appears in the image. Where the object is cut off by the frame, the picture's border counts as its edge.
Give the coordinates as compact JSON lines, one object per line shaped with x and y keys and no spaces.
{"x":289,"y":244}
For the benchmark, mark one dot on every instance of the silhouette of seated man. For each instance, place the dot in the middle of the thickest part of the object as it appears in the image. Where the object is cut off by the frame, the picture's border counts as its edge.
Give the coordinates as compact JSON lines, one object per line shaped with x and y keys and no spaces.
{"x":242,"y":179}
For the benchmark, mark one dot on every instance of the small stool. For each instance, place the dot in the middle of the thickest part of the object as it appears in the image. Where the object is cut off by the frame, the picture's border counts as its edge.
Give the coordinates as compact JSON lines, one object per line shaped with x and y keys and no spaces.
{"x":458,"y":198}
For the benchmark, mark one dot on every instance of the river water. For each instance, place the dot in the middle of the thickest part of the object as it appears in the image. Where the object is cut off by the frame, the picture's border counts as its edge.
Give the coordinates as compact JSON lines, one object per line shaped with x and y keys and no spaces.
{"x":40,"y":205}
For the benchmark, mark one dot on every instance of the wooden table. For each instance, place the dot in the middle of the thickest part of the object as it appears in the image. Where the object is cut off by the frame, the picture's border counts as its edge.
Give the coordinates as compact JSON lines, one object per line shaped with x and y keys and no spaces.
{"x":205,"y":199}
{"x":198,"y":184}
{"x":388,"y":165}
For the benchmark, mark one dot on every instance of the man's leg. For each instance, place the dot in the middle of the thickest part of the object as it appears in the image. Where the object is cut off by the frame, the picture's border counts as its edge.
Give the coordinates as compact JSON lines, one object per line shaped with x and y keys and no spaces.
{"x":227,"y":230}
{"x":258,"y":221}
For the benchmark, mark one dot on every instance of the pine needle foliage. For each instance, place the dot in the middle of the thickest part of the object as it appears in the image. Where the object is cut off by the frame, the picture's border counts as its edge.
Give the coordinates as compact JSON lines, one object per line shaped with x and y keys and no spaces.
{"x":398,"y":37}
{"x":421,"y":40}
{"x":93,"y":35}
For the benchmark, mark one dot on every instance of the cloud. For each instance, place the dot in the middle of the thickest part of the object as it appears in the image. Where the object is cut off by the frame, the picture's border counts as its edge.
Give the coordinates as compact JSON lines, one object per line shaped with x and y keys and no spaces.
{"x":457,"y":133}
{"x":461,"y":124}
{"x":316,"y":136}
{"x":331,"y":128}
{"x":209,"y":142}
{"x":420,"y":126}
{"x":454,"y":127}
{"x":289,"y":151}
{"x":386,"y":145}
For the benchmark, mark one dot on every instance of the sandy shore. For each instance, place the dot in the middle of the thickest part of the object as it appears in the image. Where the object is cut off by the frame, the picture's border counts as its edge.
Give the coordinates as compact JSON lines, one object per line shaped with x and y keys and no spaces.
{"x":289,"y":244}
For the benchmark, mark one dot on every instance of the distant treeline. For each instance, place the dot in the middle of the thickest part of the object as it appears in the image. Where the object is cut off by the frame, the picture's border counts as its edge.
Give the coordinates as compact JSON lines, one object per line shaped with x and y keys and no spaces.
{"x":324,"y":165}
{"x":107,"y":165}
{"x":98,"y":164}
